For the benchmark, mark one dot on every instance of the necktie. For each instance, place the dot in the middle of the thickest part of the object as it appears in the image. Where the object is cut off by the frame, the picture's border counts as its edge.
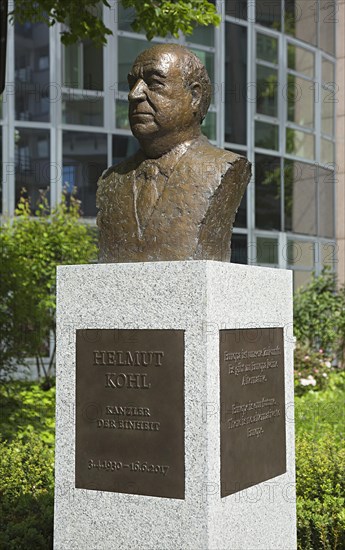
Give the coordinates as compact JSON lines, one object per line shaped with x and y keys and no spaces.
{"x":148,"y":187}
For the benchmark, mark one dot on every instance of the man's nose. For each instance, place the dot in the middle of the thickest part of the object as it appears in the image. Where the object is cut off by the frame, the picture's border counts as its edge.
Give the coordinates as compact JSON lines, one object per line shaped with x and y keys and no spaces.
{"x":138,"y":91}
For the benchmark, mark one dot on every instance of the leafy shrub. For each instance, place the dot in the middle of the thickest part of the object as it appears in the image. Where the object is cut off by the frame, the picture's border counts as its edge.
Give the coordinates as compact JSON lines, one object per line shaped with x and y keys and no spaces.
{"x":31,"y":248}
{"x":27,"y":409}
{"x":320,"y":413}
{"x":26,"y":467}
{"x":319,"y":315}
{"x":320,"y":467}
{"x":312,"y":369}
{"x":26,"y":491}
{"x":320,"y":470}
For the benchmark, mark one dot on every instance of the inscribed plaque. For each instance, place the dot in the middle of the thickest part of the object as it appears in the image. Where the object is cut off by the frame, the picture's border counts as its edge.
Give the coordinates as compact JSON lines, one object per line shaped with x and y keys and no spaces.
{"x":130,"y":411}
{"x":252,"y":425}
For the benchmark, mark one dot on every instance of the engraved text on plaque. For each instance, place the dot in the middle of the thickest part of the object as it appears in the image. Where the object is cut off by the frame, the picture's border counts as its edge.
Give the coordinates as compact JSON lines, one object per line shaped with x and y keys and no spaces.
{"x":252,"y":428}
{"x":130,"y":411}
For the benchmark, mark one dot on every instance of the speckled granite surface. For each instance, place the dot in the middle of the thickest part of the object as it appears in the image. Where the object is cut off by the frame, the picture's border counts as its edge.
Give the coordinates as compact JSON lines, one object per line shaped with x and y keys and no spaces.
{"x":200,"y":297}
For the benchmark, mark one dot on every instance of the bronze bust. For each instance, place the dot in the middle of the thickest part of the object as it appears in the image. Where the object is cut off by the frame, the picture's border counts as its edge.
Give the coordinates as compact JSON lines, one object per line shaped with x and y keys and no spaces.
{"x":177,"y":197}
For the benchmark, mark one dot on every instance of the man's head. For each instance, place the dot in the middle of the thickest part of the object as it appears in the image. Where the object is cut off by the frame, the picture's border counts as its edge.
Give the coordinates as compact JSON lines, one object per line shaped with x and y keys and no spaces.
{"x":170,"y":92}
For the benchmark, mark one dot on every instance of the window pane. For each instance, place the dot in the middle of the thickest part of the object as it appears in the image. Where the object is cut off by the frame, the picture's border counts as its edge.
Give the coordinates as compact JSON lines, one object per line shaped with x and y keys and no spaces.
{"x":209,"y":127}
{"x":123,"y":147}
{"x":266,"y":135}
{"x":83,"y":66}
{"x":300,"y":197}
{"x":266,"y":48}
{"x":73,"y":74}
{"x":328,"y":18}
{"x":32,"y":72}
{"x":300,"y":19}
{"x":301,"y":278}
{"x":327,"y":151}
{"x":202,"y":35}
{"x":84,"y":160}
{"x":267,"y":91}
{"x":328,"y":253}
{"x":327,"y":111}
{"x":326,"y":203}
{"x":327,"y":71}
{"x":129,"y":49}
{"x":300,"y":101}
{"x":300,"y":253}
{"x":236,"y":8}
{"x":267,"y":192}
{"x":266,"y":250}
{"x":125,"y":17}
{"x":300,"y":60}
{"x":299,"y":143}
{"x":32,"y":160}
{"x":92,"y":66}
{"x":235,"y":84}
{"x":79,"y":110}
{"x":269,"y":13}
{"x":122,"y":120}
{"x":239,"y":249}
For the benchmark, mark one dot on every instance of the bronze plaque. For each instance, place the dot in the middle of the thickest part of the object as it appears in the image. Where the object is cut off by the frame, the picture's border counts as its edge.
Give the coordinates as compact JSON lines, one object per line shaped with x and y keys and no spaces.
{"x":252,"y":426}
{"x":130,"y":411}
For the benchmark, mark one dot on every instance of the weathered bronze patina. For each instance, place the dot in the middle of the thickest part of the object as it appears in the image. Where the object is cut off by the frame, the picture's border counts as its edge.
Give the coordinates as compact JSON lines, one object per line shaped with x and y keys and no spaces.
{"x":252,"y":424}
{"x":177,"y":197}
{"x":130,"y":412}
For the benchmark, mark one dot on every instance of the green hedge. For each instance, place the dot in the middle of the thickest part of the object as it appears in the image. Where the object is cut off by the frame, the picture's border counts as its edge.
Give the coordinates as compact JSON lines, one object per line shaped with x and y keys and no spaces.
{"x":26,"y":470}
{"x":320,"y":467}
{"x":26,"y":494}
{"x":320,"y":493}
{"x":26,"y":466}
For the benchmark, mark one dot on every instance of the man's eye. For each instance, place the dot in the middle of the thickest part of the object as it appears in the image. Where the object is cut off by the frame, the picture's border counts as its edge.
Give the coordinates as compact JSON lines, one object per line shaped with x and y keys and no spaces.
{"x":153,"y":83}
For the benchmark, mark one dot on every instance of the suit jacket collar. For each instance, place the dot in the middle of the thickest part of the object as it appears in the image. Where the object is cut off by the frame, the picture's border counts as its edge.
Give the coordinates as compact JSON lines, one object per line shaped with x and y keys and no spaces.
{"x":167,"y":162}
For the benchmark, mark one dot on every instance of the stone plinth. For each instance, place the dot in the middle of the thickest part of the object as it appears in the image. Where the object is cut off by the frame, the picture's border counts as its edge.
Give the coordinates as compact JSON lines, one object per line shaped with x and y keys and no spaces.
{"x":195,"y":300}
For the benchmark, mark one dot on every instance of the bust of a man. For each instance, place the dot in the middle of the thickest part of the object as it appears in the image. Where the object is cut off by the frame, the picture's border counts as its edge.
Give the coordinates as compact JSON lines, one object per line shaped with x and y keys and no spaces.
{"x":177,"y":197}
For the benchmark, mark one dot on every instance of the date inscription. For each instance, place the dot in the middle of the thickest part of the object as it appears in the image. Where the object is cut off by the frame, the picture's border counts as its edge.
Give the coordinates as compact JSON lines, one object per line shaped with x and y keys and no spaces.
{"x":113,"y":466}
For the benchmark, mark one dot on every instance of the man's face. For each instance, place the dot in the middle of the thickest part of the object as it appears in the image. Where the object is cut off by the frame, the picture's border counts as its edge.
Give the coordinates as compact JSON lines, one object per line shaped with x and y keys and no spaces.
{"x":159,"y":103}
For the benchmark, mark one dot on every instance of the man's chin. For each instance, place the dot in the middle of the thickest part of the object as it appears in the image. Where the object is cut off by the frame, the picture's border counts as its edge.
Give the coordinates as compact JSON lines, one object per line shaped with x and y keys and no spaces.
{"x":142,"y":130}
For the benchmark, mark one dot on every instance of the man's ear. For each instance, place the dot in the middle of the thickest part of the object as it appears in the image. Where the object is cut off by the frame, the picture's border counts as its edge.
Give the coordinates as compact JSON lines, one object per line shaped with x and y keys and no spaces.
{"x":196,"y":92}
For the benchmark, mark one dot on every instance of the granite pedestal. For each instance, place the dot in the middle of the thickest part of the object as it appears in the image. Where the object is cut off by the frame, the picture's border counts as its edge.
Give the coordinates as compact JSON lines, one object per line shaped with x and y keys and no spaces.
{"x":190,"y":497}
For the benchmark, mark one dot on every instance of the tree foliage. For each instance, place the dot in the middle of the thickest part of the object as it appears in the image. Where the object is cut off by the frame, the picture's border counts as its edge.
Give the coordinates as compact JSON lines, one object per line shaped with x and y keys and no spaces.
{"x":161,"y":17}
{"x":83,"y":17}
{"x":31,"y":248}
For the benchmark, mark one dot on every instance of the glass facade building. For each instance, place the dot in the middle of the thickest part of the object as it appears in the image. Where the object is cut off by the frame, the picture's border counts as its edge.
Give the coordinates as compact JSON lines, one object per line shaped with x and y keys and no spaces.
{"x":63,"y":119}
